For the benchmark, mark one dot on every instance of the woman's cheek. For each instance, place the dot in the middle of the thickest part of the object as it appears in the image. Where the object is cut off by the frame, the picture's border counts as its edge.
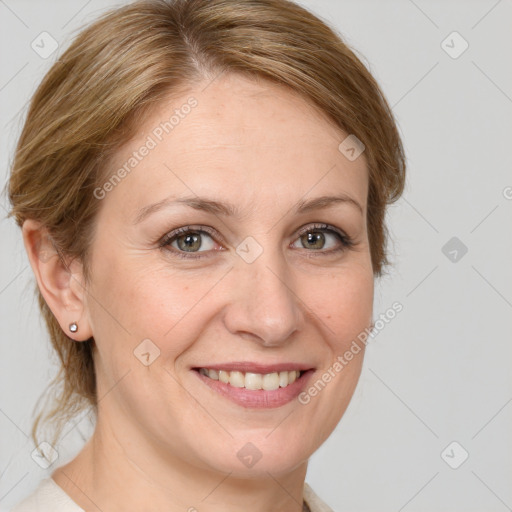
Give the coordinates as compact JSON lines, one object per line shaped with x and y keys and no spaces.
{"x":346,"y":304}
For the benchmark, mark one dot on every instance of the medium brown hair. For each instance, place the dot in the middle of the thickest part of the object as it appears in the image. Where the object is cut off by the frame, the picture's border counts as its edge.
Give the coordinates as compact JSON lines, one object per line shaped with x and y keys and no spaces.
{"x":124,"y":63}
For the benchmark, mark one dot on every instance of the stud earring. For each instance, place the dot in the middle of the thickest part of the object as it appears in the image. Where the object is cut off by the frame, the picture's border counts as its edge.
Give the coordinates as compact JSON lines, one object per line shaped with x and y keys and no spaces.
{"x":73,"y":327}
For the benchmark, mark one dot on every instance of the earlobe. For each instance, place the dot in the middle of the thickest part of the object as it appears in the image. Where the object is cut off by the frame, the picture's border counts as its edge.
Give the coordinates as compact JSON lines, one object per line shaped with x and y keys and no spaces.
{"x":59,"y":282}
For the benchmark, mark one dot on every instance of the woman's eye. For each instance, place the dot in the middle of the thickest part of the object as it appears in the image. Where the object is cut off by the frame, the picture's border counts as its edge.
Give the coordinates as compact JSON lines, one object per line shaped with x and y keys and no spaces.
{"x":322,"y":239}
{"x":191,"y":241}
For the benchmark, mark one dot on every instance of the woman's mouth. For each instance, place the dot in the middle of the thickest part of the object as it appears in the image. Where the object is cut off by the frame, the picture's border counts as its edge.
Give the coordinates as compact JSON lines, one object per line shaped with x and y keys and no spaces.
{"x":256,"y":390}
{"x":253,"y":381}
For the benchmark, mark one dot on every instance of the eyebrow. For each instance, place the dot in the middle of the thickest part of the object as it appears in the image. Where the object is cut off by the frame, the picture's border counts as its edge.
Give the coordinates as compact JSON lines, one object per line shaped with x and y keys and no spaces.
{"x":227,"y":209}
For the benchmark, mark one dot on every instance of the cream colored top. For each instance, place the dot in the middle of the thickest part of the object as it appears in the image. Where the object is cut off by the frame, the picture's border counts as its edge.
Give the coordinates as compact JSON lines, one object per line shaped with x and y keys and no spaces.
{"x":50,"y":497}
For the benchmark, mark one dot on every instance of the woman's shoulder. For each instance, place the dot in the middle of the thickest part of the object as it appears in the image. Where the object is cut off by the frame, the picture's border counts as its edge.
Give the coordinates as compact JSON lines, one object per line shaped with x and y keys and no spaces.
{"x":47,"y":497}
{"x":50,"y":497}
{"x":314,"y":503}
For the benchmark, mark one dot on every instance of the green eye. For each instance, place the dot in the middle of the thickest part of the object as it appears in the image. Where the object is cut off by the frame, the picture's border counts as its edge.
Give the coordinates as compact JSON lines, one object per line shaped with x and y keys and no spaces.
{"x":186,"y":241}
{"x":190,"y":242}
{"x":318,"y":236}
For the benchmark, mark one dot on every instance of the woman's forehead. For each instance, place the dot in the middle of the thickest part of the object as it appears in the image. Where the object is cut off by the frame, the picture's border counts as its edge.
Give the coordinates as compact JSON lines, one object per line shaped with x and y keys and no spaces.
{"x":235,"y":136}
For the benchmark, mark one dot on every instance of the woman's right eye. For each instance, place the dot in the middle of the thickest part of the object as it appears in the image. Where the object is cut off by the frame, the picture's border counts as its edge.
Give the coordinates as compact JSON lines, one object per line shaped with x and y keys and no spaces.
{"x":187,"y":241}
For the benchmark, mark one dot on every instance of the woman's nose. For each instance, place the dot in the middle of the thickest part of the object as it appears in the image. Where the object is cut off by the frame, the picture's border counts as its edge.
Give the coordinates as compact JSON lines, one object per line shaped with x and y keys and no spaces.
{"x":263,"y":303}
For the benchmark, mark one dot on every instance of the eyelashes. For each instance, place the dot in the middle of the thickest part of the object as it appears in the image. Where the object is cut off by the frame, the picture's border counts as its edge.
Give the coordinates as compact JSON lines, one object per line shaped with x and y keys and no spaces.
{"x":179,"y":241}
{"x":191,"y":234}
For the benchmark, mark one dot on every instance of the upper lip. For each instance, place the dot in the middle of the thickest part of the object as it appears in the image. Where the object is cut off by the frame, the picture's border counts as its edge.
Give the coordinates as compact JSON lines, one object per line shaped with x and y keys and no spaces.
{"x":245,"y":366}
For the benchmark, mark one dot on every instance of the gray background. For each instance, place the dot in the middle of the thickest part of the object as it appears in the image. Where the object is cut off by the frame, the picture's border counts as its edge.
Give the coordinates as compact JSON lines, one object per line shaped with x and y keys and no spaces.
{"x":441,"y":370}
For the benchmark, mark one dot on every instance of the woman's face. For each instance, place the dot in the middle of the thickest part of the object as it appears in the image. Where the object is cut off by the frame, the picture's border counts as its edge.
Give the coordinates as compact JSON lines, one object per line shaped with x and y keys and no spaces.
{"x":253,"y":284}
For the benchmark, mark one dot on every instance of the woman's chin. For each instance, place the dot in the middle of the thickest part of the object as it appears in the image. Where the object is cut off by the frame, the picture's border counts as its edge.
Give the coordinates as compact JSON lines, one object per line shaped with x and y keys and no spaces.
{"x":247,"y":459}
{"x":264,"y":468}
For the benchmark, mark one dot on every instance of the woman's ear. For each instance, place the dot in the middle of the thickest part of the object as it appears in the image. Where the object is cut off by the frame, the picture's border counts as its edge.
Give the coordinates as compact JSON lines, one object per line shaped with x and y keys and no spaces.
{"x":61,"y":283}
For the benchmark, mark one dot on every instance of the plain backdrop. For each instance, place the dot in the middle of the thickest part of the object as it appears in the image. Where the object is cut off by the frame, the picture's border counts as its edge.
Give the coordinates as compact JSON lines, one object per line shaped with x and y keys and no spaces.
{"x":436,"y":385}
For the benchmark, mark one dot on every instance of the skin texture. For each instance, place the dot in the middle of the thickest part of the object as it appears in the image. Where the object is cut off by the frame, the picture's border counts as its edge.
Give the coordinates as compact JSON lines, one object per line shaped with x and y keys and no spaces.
{"x":163,"y":438}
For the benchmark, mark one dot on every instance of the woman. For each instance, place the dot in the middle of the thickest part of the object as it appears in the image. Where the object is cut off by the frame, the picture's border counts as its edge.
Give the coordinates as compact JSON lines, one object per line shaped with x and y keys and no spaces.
{"x":201,"y":187}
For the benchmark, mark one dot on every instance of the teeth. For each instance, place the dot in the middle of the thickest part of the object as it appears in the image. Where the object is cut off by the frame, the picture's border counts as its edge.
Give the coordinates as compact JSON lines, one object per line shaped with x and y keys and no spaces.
{"x":271,"y":381}
{"x":253,"y":381}
{"x":237,"y":379}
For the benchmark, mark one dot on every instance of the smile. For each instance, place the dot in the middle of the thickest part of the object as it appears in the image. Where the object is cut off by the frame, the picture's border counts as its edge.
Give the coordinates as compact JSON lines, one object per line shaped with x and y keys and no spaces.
{"x":253,"y":381}
{"x":247,"y":387}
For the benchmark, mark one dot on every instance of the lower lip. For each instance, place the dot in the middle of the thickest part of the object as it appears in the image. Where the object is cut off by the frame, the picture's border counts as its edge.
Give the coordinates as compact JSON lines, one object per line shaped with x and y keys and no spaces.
{"x":260,"y":398}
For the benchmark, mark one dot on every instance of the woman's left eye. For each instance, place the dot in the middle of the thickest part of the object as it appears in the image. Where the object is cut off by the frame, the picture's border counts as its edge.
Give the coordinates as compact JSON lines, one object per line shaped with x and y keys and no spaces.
{"x":317,"y":237}
{"x":187,"y":241}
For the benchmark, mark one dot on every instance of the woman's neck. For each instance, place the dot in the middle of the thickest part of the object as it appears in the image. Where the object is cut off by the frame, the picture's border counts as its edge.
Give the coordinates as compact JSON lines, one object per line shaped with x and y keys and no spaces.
{"x":112,"y":474}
